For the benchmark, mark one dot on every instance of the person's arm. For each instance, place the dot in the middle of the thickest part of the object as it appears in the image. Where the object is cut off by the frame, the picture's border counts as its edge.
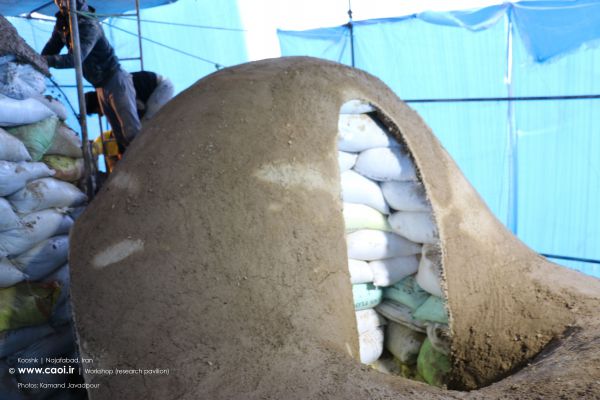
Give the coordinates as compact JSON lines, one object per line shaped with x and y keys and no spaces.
{"x":89,"y":33}
{"x":54,"y":45}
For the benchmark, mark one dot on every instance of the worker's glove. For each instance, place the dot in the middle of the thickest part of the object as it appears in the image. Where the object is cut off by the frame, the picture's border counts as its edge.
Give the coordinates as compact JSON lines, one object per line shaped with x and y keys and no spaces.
{"x":50,"y":60}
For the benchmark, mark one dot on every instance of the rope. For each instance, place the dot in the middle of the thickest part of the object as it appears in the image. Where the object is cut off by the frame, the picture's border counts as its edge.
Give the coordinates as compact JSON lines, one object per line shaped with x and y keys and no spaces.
{"x":218,"y":28}
{"x":519,"y":98}
{"x":65,"y":96}
{"x":90,"y":15}
{"x":585,"y":260}
{"x":206,"y":60}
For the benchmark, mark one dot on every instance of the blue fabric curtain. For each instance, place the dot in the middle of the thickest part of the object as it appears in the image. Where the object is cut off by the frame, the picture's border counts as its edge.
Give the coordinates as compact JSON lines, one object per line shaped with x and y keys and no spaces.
{"x":534,"y":162}
{"x":17,"y":7}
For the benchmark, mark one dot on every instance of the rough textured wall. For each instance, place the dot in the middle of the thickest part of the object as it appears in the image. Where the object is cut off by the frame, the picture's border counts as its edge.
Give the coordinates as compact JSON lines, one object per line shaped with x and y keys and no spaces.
{"x":217,"y":250}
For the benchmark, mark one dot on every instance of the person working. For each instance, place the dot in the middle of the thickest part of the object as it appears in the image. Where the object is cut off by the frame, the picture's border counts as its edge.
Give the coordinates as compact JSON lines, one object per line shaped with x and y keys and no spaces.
{"x":101,"y":68}
{"x":152,"y":91}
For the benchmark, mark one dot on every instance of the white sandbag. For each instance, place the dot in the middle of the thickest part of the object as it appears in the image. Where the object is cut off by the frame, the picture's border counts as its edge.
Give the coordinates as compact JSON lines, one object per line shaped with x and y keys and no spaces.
{"x":7,"y":58}
{"x":17,"y":339}
{"x":21,"y":81}
{"x":403,"y":342}
{"x":14,"y":176}
{"x":401,"y":314}
{"x":430,"y":270}
{"x":371,"y":345}
{"x":12,"y":149}
{"x":416,"y":226}
{"x":9,"y":274}
{"x":385,"y":164}
{"x":22,"y":112}
{"x":45,"y":193}
{"x":360,"y":132}
{"x":391,"y":270}
{"x":45,"y":257}
{"x":405,"y":195}
{"x":370,"y":245}
{"x":36,"y":227}
{"x":360,"y":190}
{"x":359,"y":272}
{"x":76,"y":212}
{"x":356,"y":107}
{"x":360,"y":216}
{"x":53,"y":104}
{"x":367,"y":320}
{"x":8,"y":218}
{"x":65,"y":225}
{"x":346,"y":160}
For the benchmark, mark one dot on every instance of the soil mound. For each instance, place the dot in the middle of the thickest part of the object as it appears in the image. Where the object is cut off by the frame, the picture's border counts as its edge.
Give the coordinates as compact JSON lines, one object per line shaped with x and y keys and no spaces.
{"x":216,"y":251}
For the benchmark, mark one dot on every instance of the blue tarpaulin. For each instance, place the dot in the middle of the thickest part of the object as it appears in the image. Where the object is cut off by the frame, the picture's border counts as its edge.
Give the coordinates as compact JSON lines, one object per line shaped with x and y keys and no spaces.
{"x":18,"y":7}
{"x":534,"y":162}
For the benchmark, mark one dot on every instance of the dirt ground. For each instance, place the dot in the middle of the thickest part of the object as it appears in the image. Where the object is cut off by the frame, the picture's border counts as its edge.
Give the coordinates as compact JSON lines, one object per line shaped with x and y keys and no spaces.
{"x":225,"y":262}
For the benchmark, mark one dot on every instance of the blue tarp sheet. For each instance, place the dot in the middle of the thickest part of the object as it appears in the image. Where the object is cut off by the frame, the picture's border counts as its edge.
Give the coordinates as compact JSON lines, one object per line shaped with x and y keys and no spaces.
{"x":534,"y":162}
{"x":18,"y":7}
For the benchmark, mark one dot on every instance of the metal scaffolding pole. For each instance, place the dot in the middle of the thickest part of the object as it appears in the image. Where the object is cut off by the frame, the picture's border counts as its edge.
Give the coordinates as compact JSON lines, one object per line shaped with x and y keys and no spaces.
{"x":139,"y":27}
{"x":87,"y":154}
{"x":350,"y":26}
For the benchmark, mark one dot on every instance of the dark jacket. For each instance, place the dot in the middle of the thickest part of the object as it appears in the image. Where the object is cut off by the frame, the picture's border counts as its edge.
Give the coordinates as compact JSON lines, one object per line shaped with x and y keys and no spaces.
{"x":144,"y":82}
{"x":97,"y":55}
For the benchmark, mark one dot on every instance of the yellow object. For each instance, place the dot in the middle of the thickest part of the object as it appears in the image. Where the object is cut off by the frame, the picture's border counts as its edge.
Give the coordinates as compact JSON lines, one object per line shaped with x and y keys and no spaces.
{"x":111,"y":149}
{"x":109,"y":141}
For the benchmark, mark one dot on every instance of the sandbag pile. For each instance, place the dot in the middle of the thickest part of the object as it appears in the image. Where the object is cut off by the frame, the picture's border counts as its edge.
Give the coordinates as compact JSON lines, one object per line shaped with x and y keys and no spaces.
{"x":393,"y":252}
{"x":40,"y":159}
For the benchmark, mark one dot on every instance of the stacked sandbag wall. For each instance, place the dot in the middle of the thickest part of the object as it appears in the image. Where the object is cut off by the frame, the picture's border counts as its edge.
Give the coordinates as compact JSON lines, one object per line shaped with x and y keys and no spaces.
{"x":40,"y":166}
{"x":393,"y":252}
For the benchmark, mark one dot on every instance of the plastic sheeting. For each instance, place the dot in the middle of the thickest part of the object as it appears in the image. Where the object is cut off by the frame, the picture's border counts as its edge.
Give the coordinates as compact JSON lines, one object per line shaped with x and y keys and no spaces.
{"x":534,"y":162}
{"x":17,"y":7}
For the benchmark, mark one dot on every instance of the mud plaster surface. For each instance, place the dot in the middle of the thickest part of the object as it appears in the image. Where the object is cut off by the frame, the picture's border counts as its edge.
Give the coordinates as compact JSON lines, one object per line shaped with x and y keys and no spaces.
{"x":12,"y":43}
{"x":241,"y":286}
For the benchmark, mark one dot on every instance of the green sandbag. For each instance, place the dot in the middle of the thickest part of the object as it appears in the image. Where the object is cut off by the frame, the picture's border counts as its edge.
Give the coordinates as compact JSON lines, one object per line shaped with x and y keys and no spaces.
{"x":67,"y":169}
{"x":432,"y":365}
{"x":366,"y":295}
{"x":432,"y":310}
{"x":407,"y":292}
{"x":66,"y":142}
{"x":360,"y":216}
{"x":38,"y":137}
{"x":27,"y":304}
